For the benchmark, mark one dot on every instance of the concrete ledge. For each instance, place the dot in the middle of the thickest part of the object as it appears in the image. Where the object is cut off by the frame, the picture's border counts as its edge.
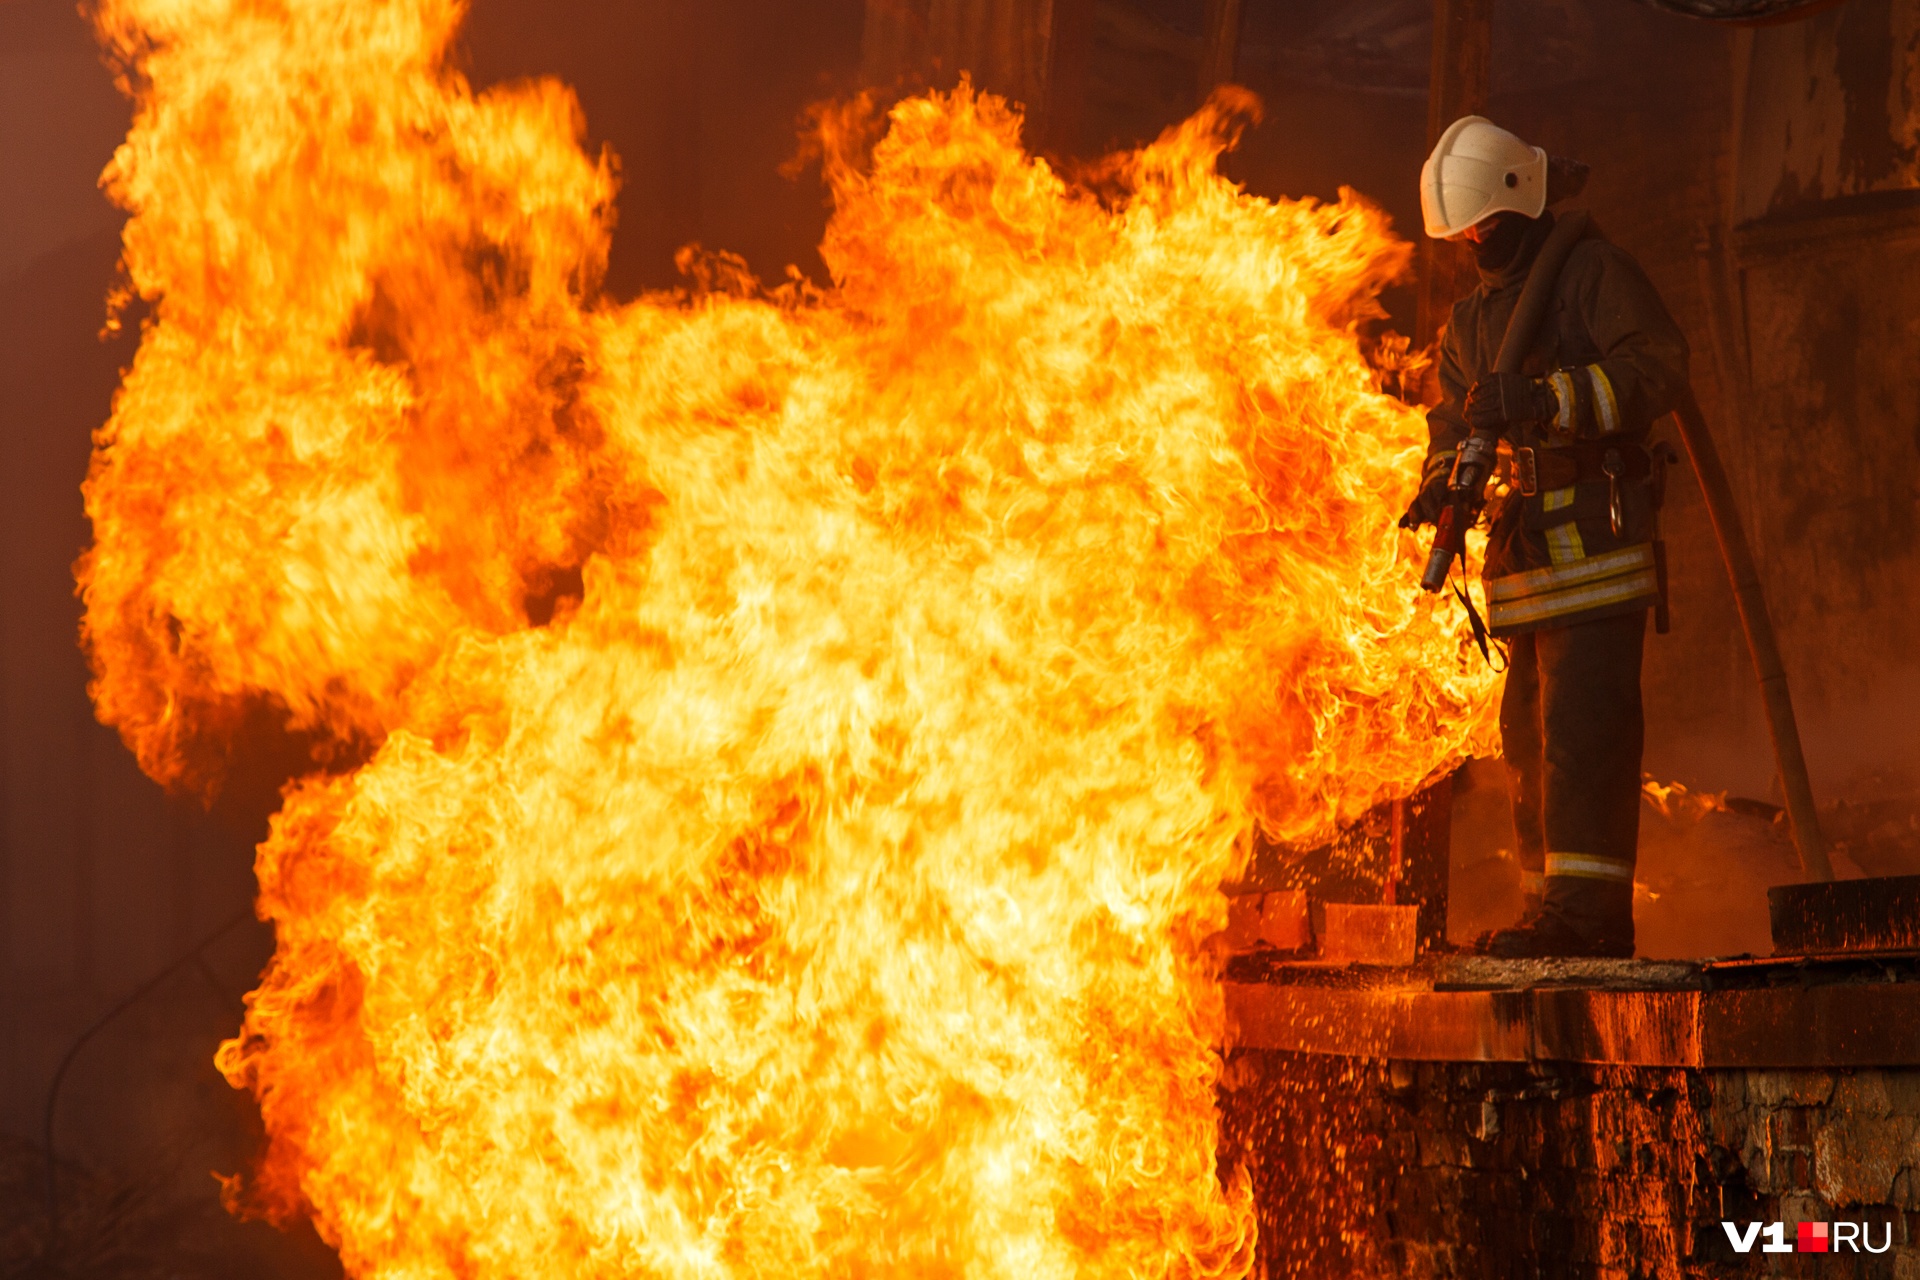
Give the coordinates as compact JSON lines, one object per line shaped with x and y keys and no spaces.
{"x":1424,"y":1026}
{"x":1852,"y":1025}
{"x":1837,"y":1025}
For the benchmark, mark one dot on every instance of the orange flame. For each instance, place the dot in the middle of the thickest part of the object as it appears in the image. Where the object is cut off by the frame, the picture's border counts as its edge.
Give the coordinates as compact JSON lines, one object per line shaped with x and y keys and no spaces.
{"x":784,"y":747}
{"x":1677,"y":801}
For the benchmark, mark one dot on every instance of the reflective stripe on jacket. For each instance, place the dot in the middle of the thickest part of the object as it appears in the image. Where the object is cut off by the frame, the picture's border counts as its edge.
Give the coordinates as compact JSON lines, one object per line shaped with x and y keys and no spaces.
{"x":1617,"y":362}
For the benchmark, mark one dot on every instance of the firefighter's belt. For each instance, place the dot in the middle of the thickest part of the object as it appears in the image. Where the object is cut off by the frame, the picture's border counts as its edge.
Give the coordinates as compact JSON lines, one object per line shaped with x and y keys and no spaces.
{"x":1595,"y":585}
{"x":1537,"y":469}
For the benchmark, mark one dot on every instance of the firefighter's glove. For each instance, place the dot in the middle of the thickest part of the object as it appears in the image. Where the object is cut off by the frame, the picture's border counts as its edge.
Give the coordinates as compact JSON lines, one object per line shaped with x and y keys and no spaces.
{"x":1502,"y":401}
{"x":1433,"y":492}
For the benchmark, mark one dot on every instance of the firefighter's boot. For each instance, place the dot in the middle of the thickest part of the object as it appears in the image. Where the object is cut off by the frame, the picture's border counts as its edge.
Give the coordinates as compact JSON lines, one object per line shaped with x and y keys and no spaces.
{"x":1571,"y":726}
{"x":1582,"y":916}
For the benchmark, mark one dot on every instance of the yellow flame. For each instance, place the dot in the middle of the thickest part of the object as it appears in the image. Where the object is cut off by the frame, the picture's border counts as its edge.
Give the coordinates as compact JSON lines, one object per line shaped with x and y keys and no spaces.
{"x":1680,"y":802}
{"x":784,"y":747}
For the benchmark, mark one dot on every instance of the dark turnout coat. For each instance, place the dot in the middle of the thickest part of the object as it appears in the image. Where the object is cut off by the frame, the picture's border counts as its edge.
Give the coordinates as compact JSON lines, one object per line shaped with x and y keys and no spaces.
{"x":1619,"y":363}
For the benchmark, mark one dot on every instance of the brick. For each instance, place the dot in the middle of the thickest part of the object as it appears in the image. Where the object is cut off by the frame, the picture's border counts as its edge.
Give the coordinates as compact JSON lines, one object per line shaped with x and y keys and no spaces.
{"x":1729,"y":1084}
{"x":1856,"y":1156}
{"x":1441,"y":1147}
{"x":1903,"y":1091}
{"x":1613,"y":1243}
{"x":1791,"y":1129}
{"x":1592,"y":1182}
{"x":1735,"y":1203}
{"x":1796,"y":1209}
{"x":1426,"y":1262}
{"x":1727,"y":1123}
{"x":1789,"y":1088}
{"x":1757,"y":1155}
{"x":1368,"y":934}
{"x":1861,"y":1092}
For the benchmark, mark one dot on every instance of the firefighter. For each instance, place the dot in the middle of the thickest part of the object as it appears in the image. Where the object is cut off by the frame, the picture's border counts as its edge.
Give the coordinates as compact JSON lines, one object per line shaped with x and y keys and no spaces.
{"x":1571,"y":567}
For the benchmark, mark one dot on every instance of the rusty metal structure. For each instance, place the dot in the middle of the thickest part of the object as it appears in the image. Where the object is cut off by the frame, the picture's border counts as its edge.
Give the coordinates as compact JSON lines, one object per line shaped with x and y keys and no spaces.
{"x":1463,"y":1116}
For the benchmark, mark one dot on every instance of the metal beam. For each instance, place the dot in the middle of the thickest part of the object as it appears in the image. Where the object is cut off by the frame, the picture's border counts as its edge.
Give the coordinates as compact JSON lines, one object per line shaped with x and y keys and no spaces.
{"x":1457,"y":85}
{"x":1874,"y":1024}
{"x":1069,"y":38}
{"x":1220,"y":47}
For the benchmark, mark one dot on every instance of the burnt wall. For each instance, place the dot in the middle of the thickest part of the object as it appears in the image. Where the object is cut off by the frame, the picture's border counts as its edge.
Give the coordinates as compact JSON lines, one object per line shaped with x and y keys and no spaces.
{"x":1824,"y":264}
{"x":702,"y":104}
{"x":1828,"y":109}
{"x":1004,"y":45}
{"x":1566,"y":1171}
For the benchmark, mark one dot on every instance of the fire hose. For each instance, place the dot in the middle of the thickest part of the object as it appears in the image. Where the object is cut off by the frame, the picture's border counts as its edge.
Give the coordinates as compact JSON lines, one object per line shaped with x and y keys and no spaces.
{"x":1473,"y":466}
{"x":1762,"y":644}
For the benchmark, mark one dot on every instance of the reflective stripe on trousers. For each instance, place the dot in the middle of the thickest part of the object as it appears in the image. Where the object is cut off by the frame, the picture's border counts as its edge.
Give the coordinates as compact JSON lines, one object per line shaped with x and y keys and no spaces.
{"x":1571,"y":733}
{"x":1587,"y":866}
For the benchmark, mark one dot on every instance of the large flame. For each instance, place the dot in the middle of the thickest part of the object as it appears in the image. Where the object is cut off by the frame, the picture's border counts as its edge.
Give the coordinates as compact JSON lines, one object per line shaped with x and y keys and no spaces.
{"x":781,"y":749}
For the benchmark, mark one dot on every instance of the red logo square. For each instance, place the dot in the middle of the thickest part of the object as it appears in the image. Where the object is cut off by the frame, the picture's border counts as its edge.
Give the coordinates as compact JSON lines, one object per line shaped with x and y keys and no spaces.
{"x":1813,"y":1237}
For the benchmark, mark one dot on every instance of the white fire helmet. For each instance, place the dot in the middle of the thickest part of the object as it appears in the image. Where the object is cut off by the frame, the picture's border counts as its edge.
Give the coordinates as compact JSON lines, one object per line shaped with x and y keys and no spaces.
{"x":1478,"y":169}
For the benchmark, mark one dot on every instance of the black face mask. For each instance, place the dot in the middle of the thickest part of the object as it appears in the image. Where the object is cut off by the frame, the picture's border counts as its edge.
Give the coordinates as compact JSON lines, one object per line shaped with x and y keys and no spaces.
{"x":1497,"y":250}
